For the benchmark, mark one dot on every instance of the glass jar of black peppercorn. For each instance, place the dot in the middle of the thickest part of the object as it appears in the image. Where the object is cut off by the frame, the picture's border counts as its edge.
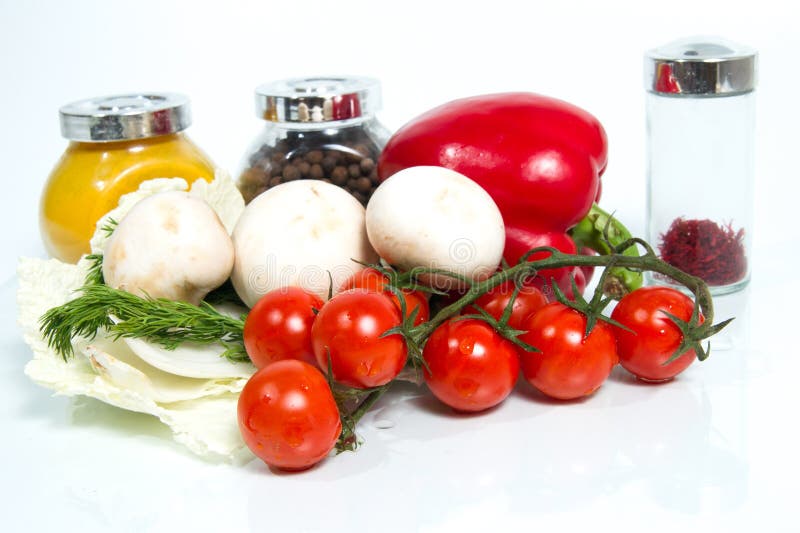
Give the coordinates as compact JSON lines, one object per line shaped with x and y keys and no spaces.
{"x":317,"y":128}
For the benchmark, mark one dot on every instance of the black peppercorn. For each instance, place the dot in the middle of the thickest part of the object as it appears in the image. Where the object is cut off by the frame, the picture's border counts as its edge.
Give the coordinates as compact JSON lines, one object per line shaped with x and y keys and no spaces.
{"x":367,"y":165}
{"x":290,"y":172}
{"x":316,"y":172}
{"x":354,"y":170}
{"x":364,"y":185}
{"x":345,"y":157}
{"x":315,"y":156}
{"x":304,"y":167}
{"x":339,"y":175}
{"x":328,"y":164}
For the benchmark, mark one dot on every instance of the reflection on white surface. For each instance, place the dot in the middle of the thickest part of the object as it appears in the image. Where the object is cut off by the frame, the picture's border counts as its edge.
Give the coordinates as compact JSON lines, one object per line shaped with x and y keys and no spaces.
{"x":709,"y":448}
{"x":533,"y":455}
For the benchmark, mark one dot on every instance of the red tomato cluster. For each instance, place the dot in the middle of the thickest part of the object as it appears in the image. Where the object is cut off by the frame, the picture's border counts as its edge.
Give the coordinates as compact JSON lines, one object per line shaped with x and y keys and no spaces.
{"x":287,"y":412}
{"x":568,"y":364}
{"x":285,"y":403}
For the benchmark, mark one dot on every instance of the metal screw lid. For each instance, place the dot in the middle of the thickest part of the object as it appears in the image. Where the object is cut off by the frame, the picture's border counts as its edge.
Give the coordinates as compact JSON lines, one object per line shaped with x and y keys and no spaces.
{"x":700,"y":66}
{"x":125,"y":117}
{"x":318,"y":99}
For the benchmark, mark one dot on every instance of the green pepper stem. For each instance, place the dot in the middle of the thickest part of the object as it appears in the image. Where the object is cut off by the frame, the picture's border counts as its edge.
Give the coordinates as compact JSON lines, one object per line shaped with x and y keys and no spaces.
{"x":601,"y":232}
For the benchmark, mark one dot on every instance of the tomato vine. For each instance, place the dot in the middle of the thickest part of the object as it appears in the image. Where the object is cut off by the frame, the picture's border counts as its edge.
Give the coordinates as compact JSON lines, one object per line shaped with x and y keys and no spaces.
{"x":617,"y":262}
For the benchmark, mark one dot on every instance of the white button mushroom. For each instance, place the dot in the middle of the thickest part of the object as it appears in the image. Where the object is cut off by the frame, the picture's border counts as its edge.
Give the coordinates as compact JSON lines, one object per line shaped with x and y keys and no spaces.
{"x":434,"y":217}
{"x":296,"y":234}
{"x":170,"y":245}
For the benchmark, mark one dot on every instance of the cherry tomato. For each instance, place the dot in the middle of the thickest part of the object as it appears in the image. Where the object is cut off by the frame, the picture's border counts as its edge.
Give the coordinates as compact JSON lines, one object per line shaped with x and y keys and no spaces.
{"x":470,"y":366}
{"x":567,"y":365}
{"x":287,"y":415}
{"x":371,"y":279}
{"x":279,"y":326}
{"x":349,"y":329}
{"x":528,"y":301}
{"x":656,"y":337}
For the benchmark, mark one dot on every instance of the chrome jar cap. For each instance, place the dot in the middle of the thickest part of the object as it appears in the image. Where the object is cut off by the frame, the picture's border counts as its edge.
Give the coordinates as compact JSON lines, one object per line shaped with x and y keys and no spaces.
{"x":125,"y":117}
{"x":700,"y":66}
{"x":318,"y":99}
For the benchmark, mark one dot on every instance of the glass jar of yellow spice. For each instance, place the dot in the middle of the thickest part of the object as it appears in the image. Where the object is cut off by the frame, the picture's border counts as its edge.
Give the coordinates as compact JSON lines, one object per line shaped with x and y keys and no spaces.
{"x":116,"y":143}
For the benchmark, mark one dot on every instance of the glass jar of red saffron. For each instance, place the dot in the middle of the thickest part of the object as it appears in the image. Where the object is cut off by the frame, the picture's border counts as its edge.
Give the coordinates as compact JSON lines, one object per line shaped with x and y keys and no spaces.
{"x":700,"y":138}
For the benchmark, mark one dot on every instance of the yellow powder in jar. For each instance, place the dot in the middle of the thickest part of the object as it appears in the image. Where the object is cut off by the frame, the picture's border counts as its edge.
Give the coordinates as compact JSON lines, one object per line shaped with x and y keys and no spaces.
{"x":91,"y":176}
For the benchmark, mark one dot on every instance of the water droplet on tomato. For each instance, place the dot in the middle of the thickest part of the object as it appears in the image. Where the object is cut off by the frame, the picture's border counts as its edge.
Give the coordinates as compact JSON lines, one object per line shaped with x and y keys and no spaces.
{"x":293,"y":435}
{"x":466,"y":346}
{"x":466,"y":387}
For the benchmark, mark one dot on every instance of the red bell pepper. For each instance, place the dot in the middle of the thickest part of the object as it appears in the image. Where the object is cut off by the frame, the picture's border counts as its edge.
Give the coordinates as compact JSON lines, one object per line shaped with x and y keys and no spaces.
{"x":539,"y":158}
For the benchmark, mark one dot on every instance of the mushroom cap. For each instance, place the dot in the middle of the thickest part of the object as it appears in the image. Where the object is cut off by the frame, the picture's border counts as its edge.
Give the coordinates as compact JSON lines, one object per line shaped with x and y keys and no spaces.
{"x":170,"y":245}
{"x":434,"y":217}
{"x":296,"y":234}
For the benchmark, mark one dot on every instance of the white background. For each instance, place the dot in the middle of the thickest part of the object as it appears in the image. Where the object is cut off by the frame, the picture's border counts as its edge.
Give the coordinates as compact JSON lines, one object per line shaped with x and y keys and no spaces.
{"x":425,"y":53}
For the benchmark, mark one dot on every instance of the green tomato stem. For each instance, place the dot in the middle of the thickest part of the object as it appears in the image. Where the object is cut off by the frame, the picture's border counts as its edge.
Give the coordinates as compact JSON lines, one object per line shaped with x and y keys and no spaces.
{"x":557,"y":259}
{"x":348,"y":440}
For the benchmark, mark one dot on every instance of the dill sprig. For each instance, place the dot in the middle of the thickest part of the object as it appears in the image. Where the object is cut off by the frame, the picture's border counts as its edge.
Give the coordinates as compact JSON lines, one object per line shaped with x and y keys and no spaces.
{"x":158,"y":320}
{"x":109,"y":227}
{"x":94,"y":275}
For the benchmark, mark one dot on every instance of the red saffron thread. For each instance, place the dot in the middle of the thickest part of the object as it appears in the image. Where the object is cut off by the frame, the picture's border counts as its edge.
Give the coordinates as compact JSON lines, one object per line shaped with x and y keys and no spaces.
{"x":702,"y":248}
